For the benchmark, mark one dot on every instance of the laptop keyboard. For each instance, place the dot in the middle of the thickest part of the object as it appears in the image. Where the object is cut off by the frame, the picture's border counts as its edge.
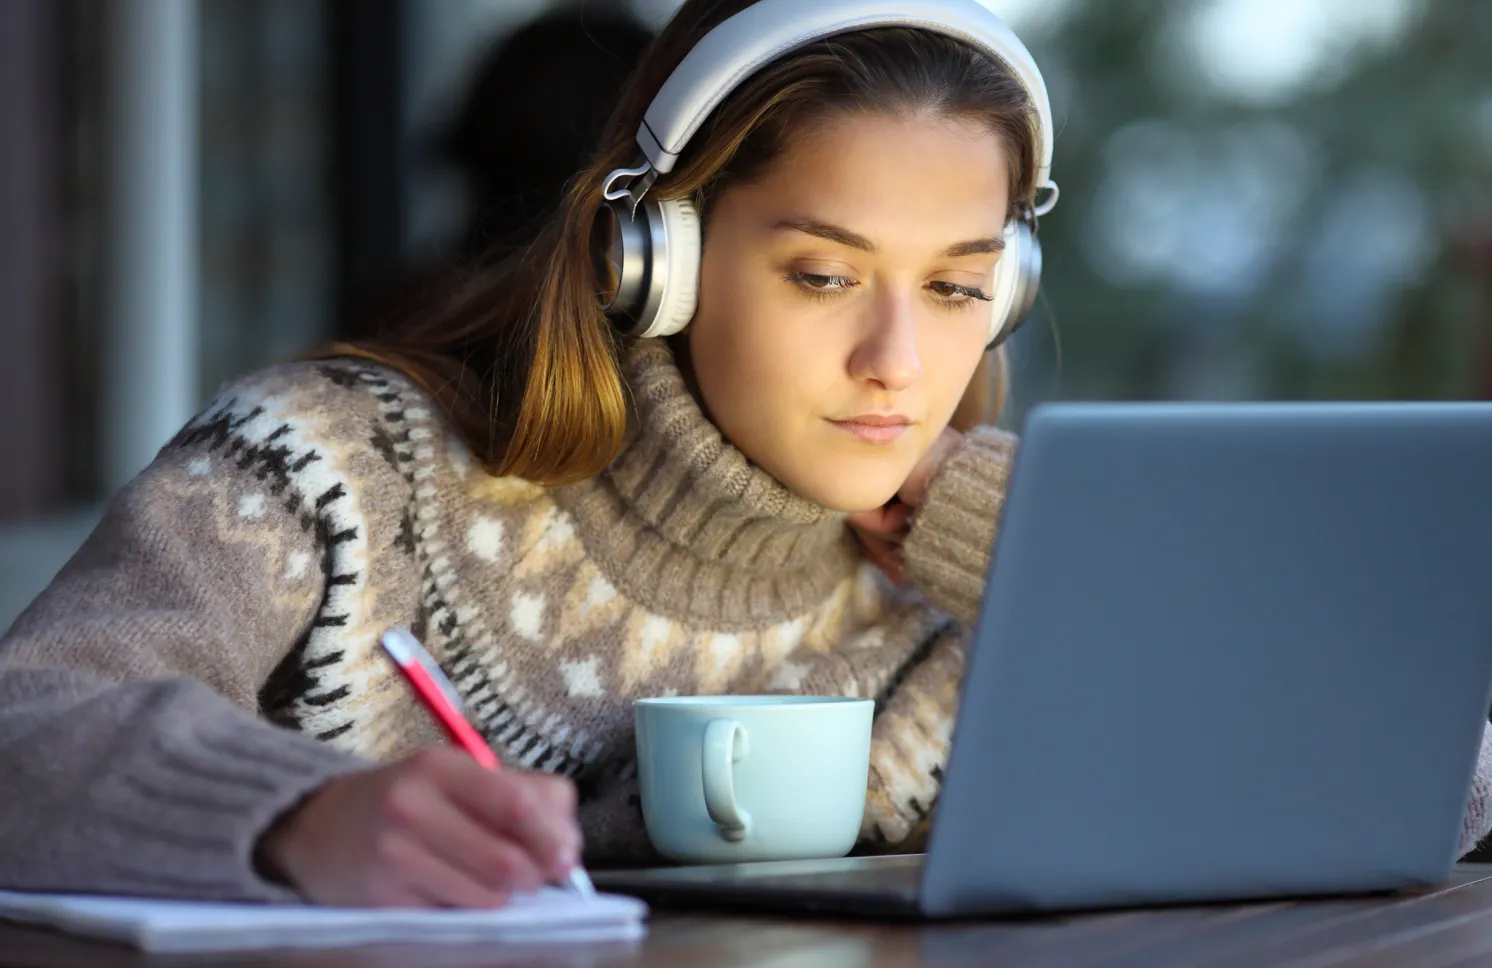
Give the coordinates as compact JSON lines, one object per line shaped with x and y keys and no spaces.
{"x":901,"y":880}
{"x":898,"y":874}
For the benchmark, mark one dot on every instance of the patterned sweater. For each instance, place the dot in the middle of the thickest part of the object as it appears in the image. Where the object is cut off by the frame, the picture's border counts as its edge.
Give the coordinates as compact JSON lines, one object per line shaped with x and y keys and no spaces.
{"x":210,"y":654}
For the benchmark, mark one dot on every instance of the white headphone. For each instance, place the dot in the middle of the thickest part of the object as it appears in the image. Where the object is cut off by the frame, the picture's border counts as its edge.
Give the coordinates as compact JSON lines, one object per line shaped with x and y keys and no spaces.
{"x":651,"y":248}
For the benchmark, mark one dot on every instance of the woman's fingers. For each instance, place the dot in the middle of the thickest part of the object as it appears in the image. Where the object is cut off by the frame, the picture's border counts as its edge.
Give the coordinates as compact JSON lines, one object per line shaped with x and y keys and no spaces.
{"x":417,"y":874}
{"x":888,"y":520}
{"x":433,"y":829}
{"x":885,"y":554}
{"x":535,"y":811}
{"x":880,"y":532}
{"x":442,"y":827}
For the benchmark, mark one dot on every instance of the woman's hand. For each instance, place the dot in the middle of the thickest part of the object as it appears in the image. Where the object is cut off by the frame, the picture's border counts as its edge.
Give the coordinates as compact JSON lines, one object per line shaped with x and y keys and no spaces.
{"x":882,"y":530}
{"x":433,"y":830}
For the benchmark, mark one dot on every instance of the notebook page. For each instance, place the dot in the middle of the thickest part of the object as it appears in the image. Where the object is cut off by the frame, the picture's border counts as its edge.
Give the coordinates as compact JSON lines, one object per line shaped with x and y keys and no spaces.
{"x":548,"y":916}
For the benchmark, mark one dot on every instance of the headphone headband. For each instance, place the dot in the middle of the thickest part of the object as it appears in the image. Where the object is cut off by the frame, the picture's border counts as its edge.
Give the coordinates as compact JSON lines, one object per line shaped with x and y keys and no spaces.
{"x":768,"y":29}
{"x":648,"y":250}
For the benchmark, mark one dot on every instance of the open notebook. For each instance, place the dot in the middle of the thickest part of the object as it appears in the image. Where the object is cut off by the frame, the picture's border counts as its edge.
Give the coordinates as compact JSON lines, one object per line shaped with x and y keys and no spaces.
{"x":548,"y":916}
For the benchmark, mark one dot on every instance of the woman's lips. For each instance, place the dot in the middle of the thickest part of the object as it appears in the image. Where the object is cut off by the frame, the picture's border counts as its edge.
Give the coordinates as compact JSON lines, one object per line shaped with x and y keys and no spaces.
{"x":874,"y":429}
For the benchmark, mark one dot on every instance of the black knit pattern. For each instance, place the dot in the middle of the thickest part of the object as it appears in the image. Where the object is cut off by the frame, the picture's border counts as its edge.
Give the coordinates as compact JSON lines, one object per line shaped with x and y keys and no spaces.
{"x":500,"y":724}
{"x":296,"y":684}
{"x":301,"y":684}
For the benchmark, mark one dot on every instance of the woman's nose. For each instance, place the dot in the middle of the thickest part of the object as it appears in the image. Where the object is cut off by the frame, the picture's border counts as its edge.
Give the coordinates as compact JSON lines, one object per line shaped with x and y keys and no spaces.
{"x":887,"y":353}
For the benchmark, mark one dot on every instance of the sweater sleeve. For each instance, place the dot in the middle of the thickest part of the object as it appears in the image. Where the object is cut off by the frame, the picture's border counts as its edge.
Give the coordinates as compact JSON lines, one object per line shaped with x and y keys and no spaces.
{"x":947,"y":551}
{"x":1476,"y":822}
{"x":909,"y":747}
{"x":134,"y":756}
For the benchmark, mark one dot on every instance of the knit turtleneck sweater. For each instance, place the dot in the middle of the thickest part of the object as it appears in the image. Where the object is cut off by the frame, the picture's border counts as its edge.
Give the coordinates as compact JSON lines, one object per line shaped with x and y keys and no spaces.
{"x":210,"y":656}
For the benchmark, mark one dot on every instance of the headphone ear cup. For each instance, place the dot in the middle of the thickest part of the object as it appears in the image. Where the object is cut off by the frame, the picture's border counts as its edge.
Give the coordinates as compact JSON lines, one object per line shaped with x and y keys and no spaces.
{"x":623,"y":244}
{"x":1017,"y":280}
{"x":679,"y":261}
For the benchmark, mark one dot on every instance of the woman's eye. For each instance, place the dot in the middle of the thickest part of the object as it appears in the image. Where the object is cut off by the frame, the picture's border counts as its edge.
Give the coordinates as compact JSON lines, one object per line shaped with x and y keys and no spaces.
{"x":953,"y":292}
{"x":821,"y":286}
{"x":821,"y":283}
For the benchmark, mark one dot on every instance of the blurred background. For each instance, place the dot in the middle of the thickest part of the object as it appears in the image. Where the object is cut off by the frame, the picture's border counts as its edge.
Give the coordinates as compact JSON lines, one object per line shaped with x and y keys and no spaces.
{"x":1260,"y":199}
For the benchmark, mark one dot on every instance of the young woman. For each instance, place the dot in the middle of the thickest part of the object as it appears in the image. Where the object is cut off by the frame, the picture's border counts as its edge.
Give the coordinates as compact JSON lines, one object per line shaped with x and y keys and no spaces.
{"x":569,"y":518}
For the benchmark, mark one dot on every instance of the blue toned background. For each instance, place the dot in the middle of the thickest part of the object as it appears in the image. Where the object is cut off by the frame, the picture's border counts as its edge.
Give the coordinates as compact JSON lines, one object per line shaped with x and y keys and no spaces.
{"x":1260,"y":199}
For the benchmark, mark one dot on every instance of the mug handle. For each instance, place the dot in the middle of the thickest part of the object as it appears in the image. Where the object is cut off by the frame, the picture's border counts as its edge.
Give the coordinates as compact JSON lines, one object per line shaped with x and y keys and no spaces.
{"x":725,"y":744}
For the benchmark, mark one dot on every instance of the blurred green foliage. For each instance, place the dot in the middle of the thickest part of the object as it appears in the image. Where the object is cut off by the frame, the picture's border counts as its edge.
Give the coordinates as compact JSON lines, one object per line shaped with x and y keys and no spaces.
{"x":1330,"y":242}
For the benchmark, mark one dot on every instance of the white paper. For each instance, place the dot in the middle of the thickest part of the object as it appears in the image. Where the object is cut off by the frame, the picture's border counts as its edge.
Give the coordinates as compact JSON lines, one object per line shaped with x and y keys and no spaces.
{"x":546,"y":917}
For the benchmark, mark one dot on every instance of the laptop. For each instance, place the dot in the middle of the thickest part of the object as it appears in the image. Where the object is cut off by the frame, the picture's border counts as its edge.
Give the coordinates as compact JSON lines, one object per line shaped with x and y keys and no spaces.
{"x":1226,"y":652}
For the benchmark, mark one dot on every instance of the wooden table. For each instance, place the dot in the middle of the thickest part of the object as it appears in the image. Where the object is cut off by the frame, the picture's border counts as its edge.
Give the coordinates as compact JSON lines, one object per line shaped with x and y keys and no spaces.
{"x":1447,"y":928}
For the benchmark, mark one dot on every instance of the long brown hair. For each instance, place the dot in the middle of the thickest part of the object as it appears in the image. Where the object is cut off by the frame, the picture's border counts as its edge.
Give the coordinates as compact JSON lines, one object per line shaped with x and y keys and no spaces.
{"x":518,"y":354}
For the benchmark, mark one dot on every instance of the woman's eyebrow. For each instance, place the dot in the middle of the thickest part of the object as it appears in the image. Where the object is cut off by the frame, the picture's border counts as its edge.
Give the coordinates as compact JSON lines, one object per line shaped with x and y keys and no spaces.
{"x":993,"y":243}
{"x":843,"y":236}
{"x":824,"y":230}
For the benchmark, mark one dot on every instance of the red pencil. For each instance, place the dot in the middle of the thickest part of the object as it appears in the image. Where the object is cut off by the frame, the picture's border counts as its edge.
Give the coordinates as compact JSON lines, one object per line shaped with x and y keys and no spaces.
{"x":441,"y":700}
{"x":435,"y":693}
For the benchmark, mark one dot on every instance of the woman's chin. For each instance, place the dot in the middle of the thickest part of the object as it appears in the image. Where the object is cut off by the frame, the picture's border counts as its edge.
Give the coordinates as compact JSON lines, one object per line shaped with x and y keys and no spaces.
{"x":848,"y":491}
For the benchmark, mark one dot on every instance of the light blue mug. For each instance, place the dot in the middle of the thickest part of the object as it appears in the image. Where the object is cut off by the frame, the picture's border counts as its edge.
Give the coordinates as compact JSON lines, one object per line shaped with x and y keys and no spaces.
{"x":745,"y":778}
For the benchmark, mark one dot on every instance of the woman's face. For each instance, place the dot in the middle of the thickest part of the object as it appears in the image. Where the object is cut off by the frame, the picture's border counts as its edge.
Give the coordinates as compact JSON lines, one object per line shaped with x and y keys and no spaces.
{"x":840,"y":313}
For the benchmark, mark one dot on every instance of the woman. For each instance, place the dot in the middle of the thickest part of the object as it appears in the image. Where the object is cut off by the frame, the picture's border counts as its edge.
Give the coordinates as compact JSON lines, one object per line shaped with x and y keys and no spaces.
{"x":198,"y":707}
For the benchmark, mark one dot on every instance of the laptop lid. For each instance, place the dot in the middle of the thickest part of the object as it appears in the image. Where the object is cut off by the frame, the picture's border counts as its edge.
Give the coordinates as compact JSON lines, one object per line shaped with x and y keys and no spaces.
{"x":1226,"y":651}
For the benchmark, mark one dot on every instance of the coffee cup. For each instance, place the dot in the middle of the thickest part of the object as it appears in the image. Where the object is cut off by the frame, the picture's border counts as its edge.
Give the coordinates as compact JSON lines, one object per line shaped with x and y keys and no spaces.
{"x":749,"y":778}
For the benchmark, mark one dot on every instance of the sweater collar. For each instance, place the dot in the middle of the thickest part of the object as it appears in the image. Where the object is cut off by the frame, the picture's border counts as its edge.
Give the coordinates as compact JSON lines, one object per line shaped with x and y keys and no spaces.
{"x":682,"y":510}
